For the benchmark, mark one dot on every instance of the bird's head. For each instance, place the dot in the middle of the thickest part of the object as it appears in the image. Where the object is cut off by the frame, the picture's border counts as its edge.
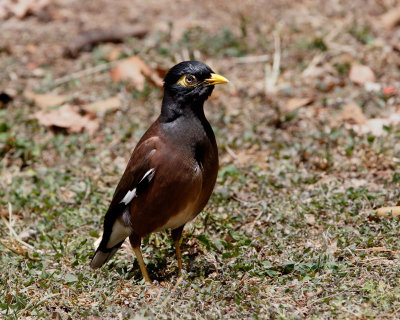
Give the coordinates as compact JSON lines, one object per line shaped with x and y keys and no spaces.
{"x":191,"y":81}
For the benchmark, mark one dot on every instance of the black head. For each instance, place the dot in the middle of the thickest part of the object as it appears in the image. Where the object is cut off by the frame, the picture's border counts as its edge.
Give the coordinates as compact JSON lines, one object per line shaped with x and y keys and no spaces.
{"x":191,"y":82}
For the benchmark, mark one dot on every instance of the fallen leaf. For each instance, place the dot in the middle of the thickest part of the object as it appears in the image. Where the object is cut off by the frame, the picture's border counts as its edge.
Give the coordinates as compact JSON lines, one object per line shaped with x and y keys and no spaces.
{"x":295,"y":103}
{"x":391,"y":18}
{"x":21,"y":8}
{"x":388,"y":91}
{"x":113,"y":53}
{"x":39,"y":72}
{"x":45,"y":100}
{"x":27,"y":234}
{"x":103,"y":106}
{"x":387,"y":212}
{"x":228,"y":238}
{"x":373,"y":87}
{"x":343,"y":58}
{"x":4,"y":213}
{"x":251,"y":156}
{"x":351,"y":113}
{"x":310,"y":219}
{"x":32,"y":48}
{"x":134,"y":70}
{"x":377,"y":126}
{"x":66,"y":194}
{"x":161,"y":72}
{"x":361,"y":74}
{"x":67,"y":117}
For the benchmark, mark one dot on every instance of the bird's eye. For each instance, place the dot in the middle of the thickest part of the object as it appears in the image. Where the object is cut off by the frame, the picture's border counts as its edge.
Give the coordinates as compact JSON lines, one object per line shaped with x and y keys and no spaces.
{"x":190,"y":79}
{"x":187,"y":80}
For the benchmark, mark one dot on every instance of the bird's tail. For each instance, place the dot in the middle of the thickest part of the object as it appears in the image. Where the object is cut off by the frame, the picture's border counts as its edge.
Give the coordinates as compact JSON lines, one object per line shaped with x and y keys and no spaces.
{"x":102,"y":256}
{"x":115,"y":233}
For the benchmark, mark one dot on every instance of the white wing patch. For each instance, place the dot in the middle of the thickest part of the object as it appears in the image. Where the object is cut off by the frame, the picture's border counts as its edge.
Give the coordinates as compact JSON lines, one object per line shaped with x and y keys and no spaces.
{"x":132,"y":193}
{"x":129,"y":196}
{"x":149,"y":172}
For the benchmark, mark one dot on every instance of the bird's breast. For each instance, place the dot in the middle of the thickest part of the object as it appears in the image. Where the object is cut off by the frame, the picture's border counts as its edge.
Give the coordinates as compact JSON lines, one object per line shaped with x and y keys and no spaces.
{"x":182,"y":217}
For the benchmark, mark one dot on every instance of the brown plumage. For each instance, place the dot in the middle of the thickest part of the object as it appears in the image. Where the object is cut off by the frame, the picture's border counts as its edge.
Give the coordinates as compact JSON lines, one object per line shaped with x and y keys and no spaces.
{"x":172,"y":171}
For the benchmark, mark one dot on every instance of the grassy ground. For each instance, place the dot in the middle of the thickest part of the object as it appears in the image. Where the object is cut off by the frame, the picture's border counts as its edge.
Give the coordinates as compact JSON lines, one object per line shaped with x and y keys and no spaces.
{"x":290,"y":231}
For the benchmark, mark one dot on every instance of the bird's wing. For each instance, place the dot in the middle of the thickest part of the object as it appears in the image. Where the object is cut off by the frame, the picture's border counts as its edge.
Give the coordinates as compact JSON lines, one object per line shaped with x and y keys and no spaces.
{"x":137,"y":176}
{"x":138,"y":172}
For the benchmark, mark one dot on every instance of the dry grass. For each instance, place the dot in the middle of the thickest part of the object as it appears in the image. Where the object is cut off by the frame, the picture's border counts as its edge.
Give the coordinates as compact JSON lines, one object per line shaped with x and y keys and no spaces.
{"x":290,"y":231}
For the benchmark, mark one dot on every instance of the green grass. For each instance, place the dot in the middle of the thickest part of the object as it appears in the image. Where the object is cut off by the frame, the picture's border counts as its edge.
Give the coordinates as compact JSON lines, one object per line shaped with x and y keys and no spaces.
{"x":289,"y":233}
{"x":244,"y":259}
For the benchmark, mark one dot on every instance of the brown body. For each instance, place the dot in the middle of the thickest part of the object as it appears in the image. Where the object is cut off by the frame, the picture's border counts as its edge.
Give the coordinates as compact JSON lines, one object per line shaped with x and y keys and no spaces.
{"x":180,"y":183}
{"x":172,"y":171}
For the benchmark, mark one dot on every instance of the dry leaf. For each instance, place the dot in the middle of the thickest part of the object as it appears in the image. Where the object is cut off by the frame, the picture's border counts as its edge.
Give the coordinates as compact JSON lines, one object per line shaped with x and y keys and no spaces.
{"x":161,"y":72}
{"x":343,"y":58}
{"x":67,"y":117}
{"x":45,"y":100}
{"x":27,"y":234}
{"x":4,"y":213}
{"x":295,"y":103}
{"x":373,"y":87}
{"x":361,"y":74}
{"x":351,"y":113}
{"x":387,"y":212}
{"x":389,"y":90}
{"x":376,"y":126}
{"x":310,"y":219}
{"x":134,"y":70}
{"x":251,"y":156}
{"x":21,"y":8}
{"x":103,"y":106}
{"x":391,"y":18}
{"x":113,"y":53}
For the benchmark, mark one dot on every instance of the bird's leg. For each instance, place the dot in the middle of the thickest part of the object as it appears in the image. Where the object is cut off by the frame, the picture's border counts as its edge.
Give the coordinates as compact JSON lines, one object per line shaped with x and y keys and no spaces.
{"x":135,"y":243}
{"x":176,"y":236}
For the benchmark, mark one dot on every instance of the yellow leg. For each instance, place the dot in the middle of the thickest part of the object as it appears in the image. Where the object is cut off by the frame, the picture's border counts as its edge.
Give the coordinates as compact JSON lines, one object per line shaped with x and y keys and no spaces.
{"x":142,"y":266}
{"x":178,"y":255}
{"x":176,"y":236}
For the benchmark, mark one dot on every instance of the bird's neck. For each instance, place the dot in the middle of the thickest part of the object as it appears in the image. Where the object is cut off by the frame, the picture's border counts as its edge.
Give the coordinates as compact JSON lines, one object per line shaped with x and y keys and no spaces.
{"x":185,"y":123}
{"x":176,"y":107}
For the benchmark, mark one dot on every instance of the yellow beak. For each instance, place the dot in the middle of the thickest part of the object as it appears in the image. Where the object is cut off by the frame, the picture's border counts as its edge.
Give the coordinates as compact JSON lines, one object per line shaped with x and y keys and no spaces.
{"x":216,"y":79}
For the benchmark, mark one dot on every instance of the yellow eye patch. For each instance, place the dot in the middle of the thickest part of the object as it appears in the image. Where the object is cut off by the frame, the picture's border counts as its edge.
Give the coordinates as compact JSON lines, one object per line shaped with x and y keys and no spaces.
{"x":187,"y":80}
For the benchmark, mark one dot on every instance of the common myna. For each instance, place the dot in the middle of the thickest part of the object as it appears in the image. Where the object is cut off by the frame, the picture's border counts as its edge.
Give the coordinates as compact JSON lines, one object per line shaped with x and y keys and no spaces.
{"x":172,"y":171}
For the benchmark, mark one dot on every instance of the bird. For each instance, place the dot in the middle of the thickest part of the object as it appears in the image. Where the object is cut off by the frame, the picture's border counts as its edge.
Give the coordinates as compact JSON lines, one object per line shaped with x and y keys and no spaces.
{"x":172,"y":170}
